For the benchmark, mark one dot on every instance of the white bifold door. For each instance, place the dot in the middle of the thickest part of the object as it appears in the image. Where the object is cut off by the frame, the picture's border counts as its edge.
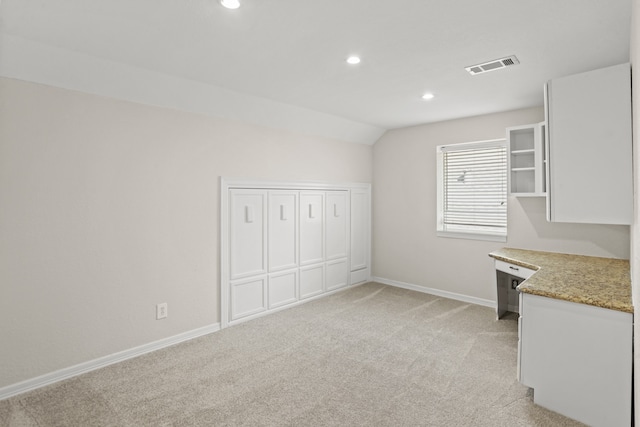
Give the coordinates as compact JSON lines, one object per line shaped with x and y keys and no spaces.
{"x":285,"y":246}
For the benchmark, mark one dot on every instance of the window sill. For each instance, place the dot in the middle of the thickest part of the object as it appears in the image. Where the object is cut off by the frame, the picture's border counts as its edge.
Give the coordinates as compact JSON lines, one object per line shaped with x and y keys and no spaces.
{"x":472,"y":236}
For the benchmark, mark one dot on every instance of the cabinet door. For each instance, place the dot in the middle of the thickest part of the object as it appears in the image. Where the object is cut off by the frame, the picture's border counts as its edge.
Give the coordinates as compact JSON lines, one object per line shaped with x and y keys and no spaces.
{"x":526,"y":160}
{"x":311,"y":227}
{"x":283,"y":238}
{"x":248,"y":239}
{"x":578,"y":359}
{"x":337,"y":222}
{"x":589,"y":147}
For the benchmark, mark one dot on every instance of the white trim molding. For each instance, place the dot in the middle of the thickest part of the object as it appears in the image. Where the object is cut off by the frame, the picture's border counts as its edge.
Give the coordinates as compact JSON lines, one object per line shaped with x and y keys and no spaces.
{"x":436,"y":292}
{"x":101,"y":362}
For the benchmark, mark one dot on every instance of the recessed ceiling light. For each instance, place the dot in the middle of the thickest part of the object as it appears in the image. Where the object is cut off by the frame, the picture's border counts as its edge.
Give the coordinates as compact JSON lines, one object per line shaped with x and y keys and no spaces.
{"x":428,"y":96}
{"x":353,"y":60}
{"x":230,"y":4}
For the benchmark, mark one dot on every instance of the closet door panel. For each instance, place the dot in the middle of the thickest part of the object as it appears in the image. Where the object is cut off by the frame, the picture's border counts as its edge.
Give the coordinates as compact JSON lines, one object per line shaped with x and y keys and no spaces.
{"x":337,"y":224}
{"x":311,"y":227}
{"x":311,"y":280}
{"x":248,"y":240}
{"x":283,"y":288}
{"x":248,"y":297}
{"x":337,"y":274}
{"x":360,"y":229}
{"x":283,"y":237}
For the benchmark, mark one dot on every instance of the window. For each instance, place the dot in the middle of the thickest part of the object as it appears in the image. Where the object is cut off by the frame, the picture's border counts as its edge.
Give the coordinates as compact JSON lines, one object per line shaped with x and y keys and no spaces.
{"x":472,"y":190}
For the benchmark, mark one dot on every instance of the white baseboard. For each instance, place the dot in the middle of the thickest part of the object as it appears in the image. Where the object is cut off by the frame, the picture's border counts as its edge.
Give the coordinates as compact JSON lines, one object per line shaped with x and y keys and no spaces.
{"x":437,"y":292}
{"x":72,"y":371}
{"x":101,"y":362}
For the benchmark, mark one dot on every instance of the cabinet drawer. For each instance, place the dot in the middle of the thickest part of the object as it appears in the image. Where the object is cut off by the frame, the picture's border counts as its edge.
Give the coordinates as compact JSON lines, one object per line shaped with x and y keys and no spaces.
{"x":514,"y":270}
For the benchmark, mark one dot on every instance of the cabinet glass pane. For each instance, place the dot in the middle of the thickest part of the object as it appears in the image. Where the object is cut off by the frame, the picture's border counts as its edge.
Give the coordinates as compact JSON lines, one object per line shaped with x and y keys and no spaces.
{"x":523,"y":160}
{"x":523,"y":181}
{"x":522,"y":139}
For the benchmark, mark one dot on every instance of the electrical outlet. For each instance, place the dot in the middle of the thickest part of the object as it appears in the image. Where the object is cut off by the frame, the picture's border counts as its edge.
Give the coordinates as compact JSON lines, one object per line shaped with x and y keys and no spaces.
{"x":161,"y":311}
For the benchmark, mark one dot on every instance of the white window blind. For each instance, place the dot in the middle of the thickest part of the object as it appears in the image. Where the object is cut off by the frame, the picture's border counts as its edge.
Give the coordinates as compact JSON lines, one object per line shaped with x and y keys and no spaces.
{"x":473,"y":189}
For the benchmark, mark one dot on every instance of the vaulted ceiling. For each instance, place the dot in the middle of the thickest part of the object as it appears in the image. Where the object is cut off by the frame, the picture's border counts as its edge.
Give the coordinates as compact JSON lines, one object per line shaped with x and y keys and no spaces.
{"x":272,"y":58}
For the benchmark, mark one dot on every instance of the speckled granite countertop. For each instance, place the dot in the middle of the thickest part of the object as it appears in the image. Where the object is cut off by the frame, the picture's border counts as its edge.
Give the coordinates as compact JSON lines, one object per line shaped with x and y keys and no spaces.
{"x":603,"y":282}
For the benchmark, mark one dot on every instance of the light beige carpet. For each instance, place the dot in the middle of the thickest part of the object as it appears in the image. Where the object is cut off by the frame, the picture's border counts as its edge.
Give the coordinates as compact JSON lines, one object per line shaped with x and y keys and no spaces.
{"x":370,"y":356}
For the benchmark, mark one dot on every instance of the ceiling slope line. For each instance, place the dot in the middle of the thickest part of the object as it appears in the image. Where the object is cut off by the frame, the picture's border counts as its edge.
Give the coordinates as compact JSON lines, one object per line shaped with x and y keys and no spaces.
{"x":23,"y":59}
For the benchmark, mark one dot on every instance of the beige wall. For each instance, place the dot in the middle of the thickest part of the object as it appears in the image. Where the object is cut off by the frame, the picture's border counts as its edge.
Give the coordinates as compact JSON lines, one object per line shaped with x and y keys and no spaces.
{"x":110,"y":207}
{"x":635,"y":229}
{"x":405,"y":245}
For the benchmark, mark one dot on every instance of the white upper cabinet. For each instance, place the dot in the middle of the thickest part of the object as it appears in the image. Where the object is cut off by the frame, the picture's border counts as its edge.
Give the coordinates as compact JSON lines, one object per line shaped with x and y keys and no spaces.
{"x":526,"y":160}
{"x":589,"y":146}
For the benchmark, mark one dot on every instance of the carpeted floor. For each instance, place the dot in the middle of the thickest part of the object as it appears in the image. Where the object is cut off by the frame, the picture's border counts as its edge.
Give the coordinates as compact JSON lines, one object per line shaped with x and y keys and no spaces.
{"x":373,"y":355}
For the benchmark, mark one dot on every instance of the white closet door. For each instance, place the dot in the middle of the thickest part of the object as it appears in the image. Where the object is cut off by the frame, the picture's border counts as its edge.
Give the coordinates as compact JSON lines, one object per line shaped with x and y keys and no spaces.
{"x":248,"y":239}
{"x":359,"y":229}
{"x":283,"y":238}
{"x":337,"y":225}
{"x":311,"y":228}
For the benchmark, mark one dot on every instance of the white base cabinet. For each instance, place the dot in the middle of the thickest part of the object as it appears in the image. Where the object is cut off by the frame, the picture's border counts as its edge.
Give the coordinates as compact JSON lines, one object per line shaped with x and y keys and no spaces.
{"x":577,"y":358}
{"x":285,"y":243}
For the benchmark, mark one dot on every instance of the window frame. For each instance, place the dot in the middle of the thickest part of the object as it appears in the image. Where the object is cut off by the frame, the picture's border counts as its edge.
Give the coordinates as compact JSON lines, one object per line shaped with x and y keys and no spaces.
{"x":472,"y":234}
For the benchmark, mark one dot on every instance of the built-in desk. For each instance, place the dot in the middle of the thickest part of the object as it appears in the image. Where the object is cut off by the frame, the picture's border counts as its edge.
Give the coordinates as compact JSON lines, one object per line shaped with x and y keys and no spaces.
{"x":575,"y":332}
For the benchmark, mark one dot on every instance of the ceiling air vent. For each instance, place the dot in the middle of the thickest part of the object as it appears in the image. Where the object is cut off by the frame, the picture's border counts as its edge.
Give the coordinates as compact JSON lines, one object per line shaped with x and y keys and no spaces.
{"x":496,"y":64}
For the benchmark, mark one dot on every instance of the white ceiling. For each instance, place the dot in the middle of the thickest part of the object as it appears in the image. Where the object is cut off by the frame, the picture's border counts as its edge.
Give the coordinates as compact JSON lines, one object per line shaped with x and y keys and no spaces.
{"x":291,"y":53}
